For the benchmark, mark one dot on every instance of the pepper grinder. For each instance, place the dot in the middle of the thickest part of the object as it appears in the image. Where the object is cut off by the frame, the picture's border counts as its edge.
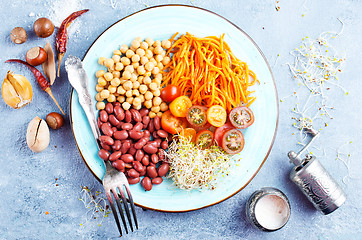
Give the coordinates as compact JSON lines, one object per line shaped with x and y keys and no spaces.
{"x":314,"y":180}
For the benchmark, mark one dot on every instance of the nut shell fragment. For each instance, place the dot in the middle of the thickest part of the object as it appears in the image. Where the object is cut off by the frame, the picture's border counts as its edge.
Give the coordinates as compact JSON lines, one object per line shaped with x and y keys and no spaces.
{"x":37,"y":135}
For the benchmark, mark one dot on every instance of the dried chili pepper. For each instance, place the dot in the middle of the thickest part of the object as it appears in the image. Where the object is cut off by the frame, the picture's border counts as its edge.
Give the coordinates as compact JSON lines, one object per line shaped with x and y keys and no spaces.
{"x":42,"y":81}
{"x":62,"y":36}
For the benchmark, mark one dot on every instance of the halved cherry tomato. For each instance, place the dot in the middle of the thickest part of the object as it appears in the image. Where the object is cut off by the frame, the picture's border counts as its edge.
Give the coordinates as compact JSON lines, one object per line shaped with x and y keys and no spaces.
{"x":204,"y":139}
{"x":219,"y":132}
{"x":241,"y":117}
{"x":170,"y":93}
{"x":189,"y":133}
{"x":233,"y":141}
{"x":216,"y":115}
{"x":172,"y":124}
{"x":196,"y":116}
{"x":180,"y":106}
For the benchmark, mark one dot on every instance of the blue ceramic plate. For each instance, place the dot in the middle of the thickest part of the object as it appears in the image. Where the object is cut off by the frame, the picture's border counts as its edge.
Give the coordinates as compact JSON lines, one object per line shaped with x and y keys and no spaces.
{"x":162,"y":22}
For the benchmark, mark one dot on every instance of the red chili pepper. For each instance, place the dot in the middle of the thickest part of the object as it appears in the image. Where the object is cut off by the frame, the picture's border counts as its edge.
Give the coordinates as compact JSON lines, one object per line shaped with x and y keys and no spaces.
{"x":42,"y":81}
{"x":62,"y":36}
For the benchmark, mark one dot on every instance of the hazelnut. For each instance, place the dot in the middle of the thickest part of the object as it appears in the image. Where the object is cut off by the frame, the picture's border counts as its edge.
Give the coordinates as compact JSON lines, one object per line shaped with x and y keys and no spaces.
{"x":18,"y":35}
{"x":36,"y":56}
{"x":43,"y":27}
{"x":54,"y":120}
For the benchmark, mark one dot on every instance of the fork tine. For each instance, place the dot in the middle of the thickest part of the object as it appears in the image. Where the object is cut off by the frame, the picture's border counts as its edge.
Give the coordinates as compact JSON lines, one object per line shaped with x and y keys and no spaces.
{"x":115,"y":194}
{"x":114,"y":213}
{"x":132,"y":205}
{"x":124,"y":200}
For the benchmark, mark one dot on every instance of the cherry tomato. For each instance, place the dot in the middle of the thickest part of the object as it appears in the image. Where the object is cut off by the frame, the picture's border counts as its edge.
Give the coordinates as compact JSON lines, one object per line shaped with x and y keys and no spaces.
{"x":216,"y":115}
{"x":170,"y":93}
{"x":196,"y":116}
{"x":189,"y":133}
{"x":172,"y":124}
{"x":180,"y":106}
{"x":241,"y":117}
{"x":219,"y":132}
{"x":204,"y":139}
{"x":233,"y":141}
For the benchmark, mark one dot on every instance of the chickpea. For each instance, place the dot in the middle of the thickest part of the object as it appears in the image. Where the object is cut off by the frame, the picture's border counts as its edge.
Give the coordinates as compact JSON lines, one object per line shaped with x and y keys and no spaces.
{"x":121,"y":99}
{"x":141,"y":52}
{"x":147,"y":80}
{"x":123,"y":81}
{"x":121,"y":90}
{"x":140,"y":79}
{"x":144,"y":45}
{"x":144,"y":60}
{"x":132,"y":48}
{"x":142,"y":98}
{"x":129,"y":68}
{"x":153,"y":86}
{"x":129,"y":53}
{"x":156,"y":92}
{"x":119,"y":66}
{"x":126,"y":105}
{"x":157,"y":101}
{"x":123,"y":48}
{"x":147,"y":74}
{"x":129,"y":100}
{"x":111,"y":98}
{"x":149,"y":41}
{"x":163,"y":107}
{"x":128,"y":85}
{"x":155,"y":70}
{"x":126,"y":74}
{"x":112,"y":89}
{"x":116,"y":74}
{"x":148,"y":103}
{"x":136,"y":85}
{"x":104,"y":93}
{"x":160,"y":65}
{"x":139,"y":39}
{"x":149,"y":53}
{"x":166,"y":60}
{"x":102,"y":82}
{"x":137,"y":101}
{"x":152,"y":114}
{"x":136,"y":58}
{"x":98,"y":97}
{"x":159,"y":76}
{"x":159,"y":58}
{"x":141,"y":70}
{"x":100,"y":73}
{"x":166,"y":44}
{"x":108,"y":76}
{"x":135,"y":44}
{"x":151,"y":49}
{"x":148,"y":95}
{"x":149,"y":66}
{"x":157,"y":81}
{"x":156,"y":43}
{"x":109,"y":63}
{"x":163,"y":53}
{"x":143,"y":89}
{"x":115,"y":82}
{"x":116,"y":58}
{"x":158,"y":50}
{"x":153,"y":61}
{"x":135,"y":92}
{"x":129,"y":93}
{"x":99,"y":88}
{"x":155,"y":109}
{"x":101,"y":105}
{"x":101,"y":60}
{"x":159,"y":114}
{"x":134,"y":77}
{"x":125,"y":61}
{"x":135,"y":65}
{"x":138,"y":107}
{"x":117,"y":52}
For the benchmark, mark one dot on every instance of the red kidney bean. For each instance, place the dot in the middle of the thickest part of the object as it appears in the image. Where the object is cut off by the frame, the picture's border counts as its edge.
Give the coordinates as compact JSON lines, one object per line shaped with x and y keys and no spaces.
{"x":132,"y":151}
{"x":151,"y":171}
{"x":99,"y":123}
{"x":113,"y":120}
{"x":141,"y":143}
{"x":127,"y":126}
{"x":118,"y":110}
{"x":103,"y":116}
{"x":135,"y":134}
{"x":156,"y":143}
{"x":115,"y":104}
{"x":157,"y":122}
{"x":146,"y":133}
{"x":162,"y":133}
{"x":120,"y":116}
{"x":106,"y":129}
{"x":154,"y":158}
{"x":119,"y":165}
{"x":120,"y":135}
{"x":117,"y":145}
{"x":105,"y":146}
{"x":104,"y":154}
{"x":163,"y":169}
{"x":128,"y":116}
{"x":145,"y":121}
{"x":133,"y":173}
{"x":157,"y":180}
{"x":109,"y":108}
{"x":144,"y":112}
{"x":114,"y":129}
{"x":154,"y":135}
{"x":149,"y":148}
{"x":115,"y":156}
{"x":127,"y":158}
{"x":146,"y":183}
{"x":139,"y":155}
{"x":151,"y":126}
{"x":133,"y":180}
{"x":152,"y":164}
{"x":138,"y":127}
{"x":125,"y":146}
{"x":143,"y":172}
{"x":138,"y":166}
{"x":145,"y":160}
{"x":106,"y":140}
{"x":136,"y":115}
{"x":161,"y":154}
{"x":164,"y":145}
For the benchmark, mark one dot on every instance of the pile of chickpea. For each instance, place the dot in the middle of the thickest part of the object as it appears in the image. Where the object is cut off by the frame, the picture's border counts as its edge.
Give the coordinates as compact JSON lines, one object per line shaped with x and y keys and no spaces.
{"x":134,"y":76}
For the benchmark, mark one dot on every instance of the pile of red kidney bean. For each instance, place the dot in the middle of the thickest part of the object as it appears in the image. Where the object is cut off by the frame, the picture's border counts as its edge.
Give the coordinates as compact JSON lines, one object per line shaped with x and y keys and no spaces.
{"x":126,"y":142}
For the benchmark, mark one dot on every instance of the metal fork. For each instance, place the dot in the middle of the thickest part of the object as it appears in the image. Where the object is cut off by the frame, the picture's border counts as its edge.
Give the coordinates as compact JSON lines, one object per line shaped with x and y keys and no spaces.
{"x":113,"y":180}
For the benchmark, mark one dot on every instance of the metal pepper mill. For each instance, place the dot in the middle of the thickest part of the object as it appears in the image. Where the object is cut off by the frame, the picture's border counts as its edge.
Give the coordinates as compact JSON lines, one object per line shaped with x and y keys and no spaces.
{"x":314,"y":180}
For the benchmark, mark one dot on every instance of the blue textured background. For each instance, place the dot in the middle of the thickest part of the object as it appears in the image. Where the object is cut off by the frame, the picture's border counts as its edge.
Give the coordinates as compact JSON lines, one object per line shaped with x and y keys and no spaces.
{"x":28,"y":185}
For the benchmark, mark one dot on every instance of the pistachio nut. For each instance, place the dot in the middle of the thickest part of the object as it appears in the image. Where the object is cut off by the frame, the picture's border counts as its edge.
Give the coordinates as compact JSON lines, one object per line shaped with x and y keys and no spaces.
{"x":37,"y":135}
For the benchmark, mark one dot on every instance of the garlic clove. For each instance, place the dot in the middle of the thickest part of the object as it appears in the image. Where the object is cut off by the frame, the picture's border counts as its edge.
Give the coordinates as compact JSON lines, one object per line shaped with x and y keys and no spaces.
{"x":16,"y":90}
{"x":37,"y":135}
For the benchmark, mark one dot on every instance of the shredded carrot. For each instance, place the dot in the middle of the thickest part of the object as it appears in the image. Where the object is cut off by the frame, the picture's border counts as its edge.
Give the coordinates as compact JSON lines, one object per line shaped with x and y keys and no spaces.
{"x":208,"y":72}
